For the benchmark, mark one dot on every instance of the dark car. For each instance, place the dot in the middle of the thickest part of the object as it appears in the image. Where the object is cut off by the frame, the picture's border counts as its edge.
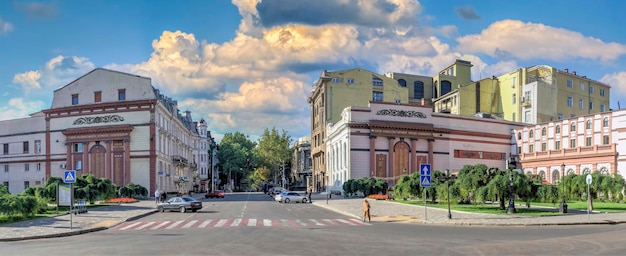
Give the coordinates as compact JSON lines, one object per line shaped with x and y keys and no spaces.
{"x":182,"y":204}
{"x":214,"y":194}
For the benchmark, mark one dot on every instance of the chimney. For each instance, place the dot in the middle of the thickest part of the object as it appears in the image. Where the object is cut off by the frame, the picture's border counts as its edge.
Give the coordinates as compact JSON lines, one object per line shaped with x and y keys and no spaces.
{"x":566,"y":70}
{"x":574,"y":72}
{"x":584,"y":76}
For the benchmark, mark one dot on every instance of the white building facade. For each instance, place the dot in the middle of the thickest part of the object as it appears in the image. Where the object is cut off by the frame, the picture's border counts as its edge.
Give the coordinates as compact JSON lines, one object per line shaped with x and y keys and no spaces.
{"x":387,"y":140}
{"x":110,"y":124}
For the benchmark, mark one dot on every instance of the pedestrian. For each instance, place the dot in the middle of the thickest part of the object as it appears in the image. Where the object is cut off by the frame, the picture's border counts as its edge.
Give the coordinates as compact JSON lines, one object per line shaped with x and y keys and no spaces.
{"x":157,"y":196}
{"x":366,"y":211}
{"x":310,"y":192}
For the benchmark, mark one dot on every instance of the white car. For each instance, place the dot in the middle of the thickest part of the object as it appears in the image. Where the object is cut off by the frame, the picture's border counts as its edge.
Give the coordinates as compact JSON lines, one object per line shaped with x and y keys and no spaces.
{"x":291,"y":197}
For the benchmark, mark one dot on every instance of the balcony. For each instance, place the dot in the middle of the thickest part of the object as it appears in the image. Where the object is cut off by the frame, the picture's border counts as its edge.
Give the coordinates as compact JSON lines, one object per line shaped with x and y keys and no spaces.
{"x":179,"y":161}
{"x":526,"y":103}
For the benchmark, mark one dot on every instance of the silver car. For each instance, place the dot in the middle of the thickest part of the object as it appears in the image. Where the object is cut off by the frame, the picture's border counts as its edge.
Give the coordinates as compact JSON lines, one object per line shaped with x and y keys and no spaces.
{"x":293,"y":197}
{"x":181,"y":204}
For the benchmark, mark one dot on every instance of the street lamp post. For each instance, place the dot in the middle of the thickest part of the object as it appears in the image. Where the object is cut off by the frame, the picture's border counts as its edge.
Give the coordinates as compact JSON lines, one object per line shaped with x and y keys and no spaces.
{"x":511,"y":164}
{"x":447,"y":179}
{"x":563,"y":206}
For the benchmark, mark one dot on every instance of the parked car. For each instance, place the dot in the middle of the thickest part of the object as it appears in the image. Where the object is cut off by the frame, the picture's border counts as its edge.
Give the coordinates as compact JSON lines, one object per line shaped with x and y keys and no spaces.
{"x":279,"y":197}
{"x":215,"y":194}
{"x":180,"y":203}
{"x":293,"y":196}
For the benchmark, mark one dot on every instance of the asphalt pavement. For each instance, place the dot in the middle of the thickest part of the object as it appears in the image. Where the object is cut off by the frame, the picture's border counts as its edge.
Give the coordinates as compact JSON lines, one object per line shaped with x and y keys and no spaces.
{"x":101,"y":218}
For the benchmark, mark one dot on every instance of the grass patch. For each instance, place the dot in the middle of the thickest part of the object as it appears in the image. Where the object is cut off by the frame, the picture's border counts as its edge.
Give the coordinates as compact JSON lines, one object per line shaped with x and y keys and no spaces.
{"x":582,"y":205}
{"x":489,"y":208}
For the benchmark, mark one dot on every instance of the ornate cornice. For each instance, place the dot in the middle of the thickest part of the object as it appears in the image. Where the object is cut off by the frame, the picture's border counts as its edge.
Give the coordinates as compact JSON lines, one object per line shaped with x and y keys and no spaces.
{"x":400,"y":113}
{"x":98,"y":119}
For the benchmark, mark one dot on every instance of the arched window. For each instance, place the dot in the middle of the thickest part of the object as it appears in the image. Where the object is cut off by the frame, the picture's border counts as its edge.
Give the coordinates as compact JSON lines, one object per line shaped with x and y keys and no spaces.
{"x":543,"y":131}
{"x":446,"y":87}
{"x":542,"y":174}
{"x":588,"y":126}
{"x":586,"y":171}
{"x":530,"y":134}
{"x":605,"y":122}
{"x":556,"y":175}
{"x":604,"y":171}
{"x":418,"y":90}
{"x":402,"y":82}
{"x":572,"y":127}
{"x":558,"y":129}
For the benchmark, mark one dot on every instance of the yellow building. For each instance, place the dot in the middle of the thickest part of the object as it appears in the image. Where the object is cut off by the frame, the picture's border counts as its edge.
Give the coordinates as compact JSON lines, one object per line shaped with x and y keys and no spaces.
{"x":535,"y":94}
{"x":420,"y":88}
{"x":331,"y":94}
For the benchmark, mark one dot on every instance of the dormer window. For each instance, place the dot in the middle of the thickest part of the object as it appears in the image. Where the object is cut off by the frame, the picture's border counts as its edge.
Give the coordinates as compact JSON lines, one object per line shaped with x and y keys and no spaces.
{"x":74,"y":99}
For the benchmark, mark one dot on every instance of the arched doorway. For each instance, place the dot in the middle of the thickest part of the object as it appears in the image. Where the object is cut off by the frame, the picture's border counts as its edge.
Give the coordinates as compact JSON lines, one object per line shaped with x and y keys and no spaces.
{"x":97,"y":160}
{"x":400,"y":160}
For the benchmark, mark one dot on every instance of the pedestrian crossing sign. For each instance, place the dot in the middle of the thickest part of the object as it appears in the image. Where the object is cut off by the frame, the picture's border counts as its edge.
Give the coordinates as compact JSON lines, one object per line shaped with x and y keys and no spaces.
{"x":425,"y":181}
{"x":69,"y":176}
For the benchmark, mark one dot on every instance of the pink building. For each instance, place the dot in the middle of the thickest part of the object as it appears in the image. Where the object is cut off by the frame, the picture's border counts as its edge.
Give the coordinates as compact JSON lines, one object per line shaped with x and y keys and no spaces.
{"x":578,"y":145}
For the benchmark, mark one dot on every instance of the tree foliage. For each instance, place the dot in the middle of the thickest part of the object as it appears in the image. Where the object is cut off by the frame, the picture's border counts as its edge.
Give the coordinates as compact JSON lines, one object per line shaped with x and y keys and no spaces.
{"x":273,"y":149}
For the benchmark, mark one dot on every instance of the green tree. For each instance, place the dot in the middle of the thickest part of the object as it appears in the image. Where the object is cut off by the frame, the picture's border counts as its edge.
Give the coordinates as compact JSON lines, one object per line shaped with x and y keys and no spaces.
{"x":235,"y":155}
{"x":470,"y":179}
{"x":4,"y":190}
{"x":273,"y":150}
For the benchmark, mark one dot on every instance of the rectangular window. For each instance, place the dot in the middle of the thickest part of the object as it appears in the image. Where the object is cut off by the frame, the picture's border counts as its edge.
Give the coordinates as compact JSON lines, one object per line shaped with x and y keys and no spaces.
{"x":5,"y":149}
{"x":335,"y":80}
{"x":602,"y":108}
{"x":514,"y":98}
{"x":378,"y":96}
{"x":97,"y":96}
{"x":78,"y":165}
{"x":560,"y":116}
{"x":605,"y":140}
{"x":582,"y":86}
{"x":74,"y":99}
{"x":350,"y":81}
{"x":590,"y":105}
{"x":557,"y":145}
{"x":531,"y":148}
{"x":26,"y":167}
{"x":570,"y":101}
{"x":78,"y":147}
{"x":572,"y":143}
{"x":6,"y":183}
{"x":26,"y":184}
{"x":121,"y":94}
{"x":38,"y":167}
{"x":570,"y":83}
{"x":588,"y":141}
{"x":581,"y":104}
{"x":6,"y":168}
{"x":37,"y":183}
{"x":25,"y":147}
{"x":527,"y":117}
{"x":37,"y":146}
{"x":377,"y":81}
{"x":590,"y":89}
{"x":602,"y":92}
{"x":543,"y":147}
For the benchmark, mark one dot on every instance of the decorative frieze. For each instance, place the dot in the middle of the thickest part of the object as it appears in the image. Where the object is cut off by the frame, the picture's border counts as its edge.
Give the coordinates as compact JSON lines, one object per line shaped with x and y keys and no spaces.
{"x":98,"y":119}
{"x":400,"y":113}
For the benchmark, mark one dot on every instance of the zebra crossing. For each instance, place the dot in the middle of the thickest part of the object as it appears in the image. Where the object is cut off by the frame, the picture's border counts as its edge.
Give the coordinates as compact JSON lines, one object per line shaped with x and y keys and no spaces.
{"x":239,"y":222}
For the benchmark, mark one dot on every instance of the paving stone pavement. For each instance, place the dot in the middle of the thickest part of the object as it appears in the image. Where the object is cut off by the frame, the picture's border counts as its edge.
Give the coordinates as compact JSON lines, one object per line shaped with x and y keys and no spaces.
{"x":382,"y":211}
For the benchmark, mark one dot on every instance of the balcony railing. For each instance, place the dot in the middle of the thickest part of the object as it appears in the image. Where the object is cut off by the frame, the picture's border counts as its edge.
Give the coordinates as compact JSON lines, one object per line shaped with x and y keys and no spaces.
{"x":179,"y":161}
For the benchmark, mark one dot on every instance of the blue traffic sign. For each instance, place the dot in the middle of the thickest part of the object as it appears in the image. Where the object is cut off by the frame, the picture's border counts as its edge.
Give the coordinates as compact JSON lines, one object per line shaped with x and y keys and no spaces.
{"x":69,"y":176}
{"x":424,"y":169}
{"x":425,"y":181}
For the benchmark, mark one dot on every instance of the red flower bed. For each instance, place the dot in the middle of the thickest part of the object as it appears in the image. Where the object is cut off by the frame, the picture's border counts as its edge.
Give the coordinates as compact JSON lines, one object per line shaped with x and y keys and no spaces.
{"x":121,"y":200}
{"x":378,"y":196}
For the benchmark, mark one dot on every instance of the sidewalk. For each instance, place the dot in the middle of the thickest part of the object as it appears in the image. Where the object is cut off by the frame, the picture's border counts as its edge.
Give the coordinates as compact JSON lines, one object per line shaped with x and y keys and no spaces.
{"x":382,"y":211}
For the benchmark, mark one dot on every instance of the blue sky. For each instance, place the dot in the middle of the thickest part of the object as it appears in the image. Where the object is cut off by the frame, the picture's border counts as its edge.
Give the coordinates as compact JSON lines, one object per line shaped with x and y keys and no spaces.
{"x":247,"y":65}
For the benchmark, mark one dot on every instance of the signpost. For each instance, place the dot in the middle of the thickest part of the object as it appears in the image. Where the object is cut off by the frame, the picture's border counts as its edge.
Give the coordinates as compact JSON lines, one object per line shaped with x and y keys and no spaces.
{"x":425,"y":182}
{"x":589,"y":179}
{"x":70,"y":177}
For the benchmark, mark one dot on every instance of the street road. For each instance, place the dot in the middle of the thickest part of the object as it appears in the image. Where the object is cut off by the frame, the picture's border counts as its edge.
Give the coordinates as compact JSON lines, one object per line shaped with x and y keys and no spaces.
{"x":253,"y":224}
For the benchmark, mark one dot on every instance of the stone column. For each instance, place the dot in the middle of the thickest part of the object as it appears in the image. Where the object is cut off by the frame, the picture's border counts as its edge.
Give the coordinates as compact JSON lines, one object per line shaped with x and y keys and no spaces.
{"x":390,"y":157}
{"x":372,"y":169}
{"x":431,"y":144}
{"x":413,"y":156}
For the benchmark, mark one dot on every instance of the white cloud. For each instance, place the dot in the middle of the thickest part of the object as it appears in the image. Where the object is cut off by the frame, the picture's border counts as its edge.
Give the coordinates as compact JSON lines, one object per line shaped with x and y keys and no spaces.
{"x":17,"y":108}
{"x":5,"y":27}
{"x":617,"y":81}
{"x":28,"y":80}
{"x":515,"y":39}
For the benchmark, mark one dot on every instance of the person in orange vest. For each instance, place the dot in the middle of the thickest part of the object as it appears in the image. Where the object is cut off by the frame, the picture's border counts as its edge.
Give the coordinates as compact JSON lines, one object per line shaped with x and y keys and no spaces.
{"x":366,"y":211}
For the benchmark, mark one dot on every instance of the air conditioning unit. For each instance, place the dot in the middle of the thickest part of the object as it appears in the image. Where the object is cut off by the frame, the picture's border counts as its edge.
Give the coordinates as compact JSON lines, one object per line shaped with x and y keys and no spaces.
{"x":62,"y":166}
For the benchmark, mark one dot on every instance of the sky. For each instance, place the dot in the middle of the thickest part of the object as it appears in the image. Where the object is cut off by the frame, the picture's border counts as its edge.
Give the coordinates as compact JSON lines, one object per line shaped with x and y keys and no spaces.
{"x":249,"y":65}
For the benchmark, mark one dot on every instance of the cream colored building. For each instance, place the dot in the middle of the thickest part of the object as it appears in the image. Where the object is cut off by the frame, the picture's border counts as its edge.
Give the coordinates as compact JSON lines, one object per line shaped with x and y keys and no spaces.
{"x":386,"y":140}
{"x":301,"y":163}
{"x":333,"y":92}
{"x":111,"y":124}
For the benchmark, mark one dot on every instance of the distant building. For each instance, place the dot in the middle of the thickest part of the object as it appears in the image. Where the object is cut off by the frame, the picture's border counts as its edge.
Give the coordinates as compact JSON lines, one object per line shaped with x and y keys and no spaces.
{"x":386,"y":141}
{"x":107,"y":123}
{"x":301,"y":163}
